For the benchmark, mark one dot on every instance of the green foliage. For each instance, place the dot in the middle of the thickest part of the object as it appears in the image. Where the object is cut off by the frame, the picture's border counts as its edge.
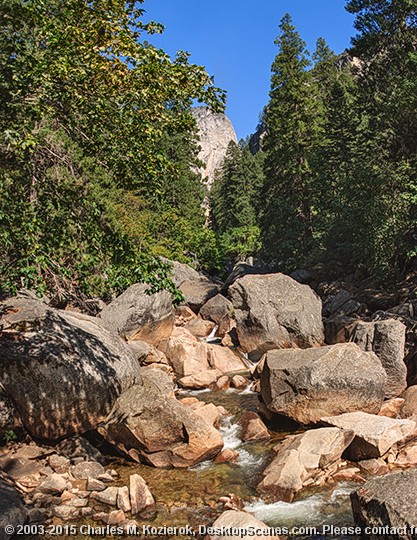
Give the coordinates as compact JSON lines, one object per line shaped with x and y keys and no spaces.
{"x":10,"y":436}
{"x":234,"y":202}
{"x":293,"y":131}
{"x":96,"y":145}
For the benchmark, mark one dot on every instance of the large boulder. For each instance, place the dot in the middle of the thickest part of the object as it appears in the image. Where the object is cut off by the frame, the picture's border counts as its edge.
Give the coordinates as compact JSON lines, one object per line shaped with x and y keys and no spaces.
{"x":221,"y":311}
{"x":301,"y":458}
{"x":387,"y":503}
{"x":63,"y":371}
{"x":274,"y":311}
{"x":410,"y":402}
{"x":224,"y":359}
{"x":186,"y":354}
{"x":387,"y":340}
{"x":138,"y":315}
{"x":150,"y":425}
{"x":198,"y":292}
{"x":12,"y":510}
{"x":306,"y":385}
{"x":232,"y":524}
{"x":374,"y":435}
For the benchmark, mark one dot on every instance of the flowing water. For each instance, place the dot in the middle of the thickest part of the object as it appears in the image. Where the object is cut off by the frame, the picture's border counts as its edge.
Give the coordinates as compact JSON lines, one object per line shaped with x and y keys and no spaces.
{"x":191,"y":497}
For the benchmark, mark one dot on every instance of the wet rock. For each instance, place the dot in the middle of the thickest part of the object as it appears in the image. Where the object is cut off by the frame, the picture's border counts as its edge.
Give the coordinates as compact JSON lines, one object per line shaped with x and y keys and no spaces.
{"x":137,"y":315}
{"x":108,"y":496}
{"x":147,"y":354}
{"x":227,"y":456}
{"x":79,"y":366}
{"x":12,"y":510}
{"x":374,"y":435}
{"x":306,"y":385}
{"x":123,"y":499}
{"x":239,"y":382}
{"x":54,"y":484}
{"x":141,"y":498}
{"x":410,"y":404}
{"x":209,"y":413}
{"x":300,"y":458}
{"x":222,"y":384}
{"x":232,"y":519}
{"x":253,"y":429}
{"x":88,"y":469}
{"x":66,"y":513}
{"x":198,"y":381}
{"x":199,"y":327}
{"x":224,"y":359}
{"x":274,"y":311}
{"x":387,"y":340}
{"x":221,"y":311}
{"x":154,"y":427}
{"x":186,"y":354}
{"x":387,"y":501}
{"x":392,"y":407}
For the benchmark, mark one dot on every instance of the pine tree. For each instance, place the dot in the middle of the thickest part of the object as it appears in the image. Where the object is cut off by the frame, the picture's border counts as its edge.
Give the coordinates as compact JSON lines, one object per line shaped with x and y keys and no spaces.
{"x":235,"y":201}
{"x":292,"y":131}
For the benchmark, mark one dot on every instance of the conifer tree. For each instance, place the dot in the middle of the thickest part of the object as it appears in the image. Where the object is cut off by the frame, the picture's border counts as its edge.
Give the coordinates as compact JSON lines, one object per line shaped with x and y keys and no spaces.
{"x":293,"y":129}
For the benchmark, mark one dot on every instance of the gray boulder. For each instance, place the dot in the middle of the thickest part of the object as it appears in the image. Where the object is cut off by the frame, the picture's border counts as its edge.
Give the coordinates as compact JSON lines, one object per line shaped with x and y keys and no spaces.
{"x":387,"y":340}
{"x":62,"y":370}
{"x":301,"y":459}
{"x":12,"y":510}
{"x":306,"y":385}
{"x":232,"y":520}
{"x":274,"y":311}
{"x":221,"y":311}
{"x":137,"y":315}
{"x":197,"y":293}
{"x":388,"y":501}
{"x":374,"y":435}
{"x":150,"y":425}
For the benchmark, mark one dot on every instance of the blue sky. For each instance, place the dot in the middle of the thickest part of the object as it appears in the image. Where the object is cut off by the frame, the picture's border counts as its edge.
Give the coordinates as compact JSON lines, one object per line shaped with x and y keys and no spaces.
{"x":234,"y":39}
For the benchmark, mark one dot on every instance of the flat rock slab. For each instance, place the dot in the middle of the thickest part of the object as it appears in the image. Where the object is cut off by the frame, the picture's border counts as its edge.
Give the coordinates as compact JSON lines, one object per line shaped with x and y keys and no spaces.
{"x":388,"y":501}
{"x":242,"y":521}
{"x":306,"y":385}
{"x":374,"y":435}
{"x":300,"y":458}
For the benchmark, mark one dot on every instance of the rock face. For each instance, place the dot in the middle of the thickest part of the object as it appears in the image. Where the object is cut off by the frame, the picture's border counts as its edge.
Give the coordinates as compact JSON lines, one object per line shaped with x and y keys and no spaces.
{"x":137,"y":315}
{"x":387,"y":340}
{"x":374,"y":435}
{"x":300,"y":458}
{"x":273,"y":311}
{"x":12,"y":511}
{"x":150,"y":425}
{"x":233,"y":520}
{"x":304,"y":384}
{"x":216,"y":132}
{"x":62,"y":370}
{"x":388,"y":501}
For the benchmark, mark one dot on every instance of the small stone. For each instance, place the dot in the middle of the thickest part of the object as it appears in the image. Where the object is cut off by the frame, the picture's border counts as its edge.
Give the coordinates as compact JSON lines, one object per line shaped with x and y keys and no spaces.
{"x":116,"y":517}
{"x":108,"y":496}
{"x":54,"y":484}
{"x":141,"y":498}
{"x":123,"y":499}
{"x":106,"y":477}
{"x":67,"y":496}
{"x":95,"y":485}
{"x":46,"y":471}
{"x":113,"y":473}
{"x":253,"y":429}
{"x":227,"y":455}
{"x":392,"y":408}
{"x":375,"y":467}
{"x":88,"y":469}
{"x":65,"y":512}
{"x":38,"y":515}
{"x":86,"y":512}
{"x":101,"y":516}
{"x":348,"y":475}
{"x":239,"y":382}
{"x":222,"y":384}
{"x":77,"y":502}
{"x":59,"y":464}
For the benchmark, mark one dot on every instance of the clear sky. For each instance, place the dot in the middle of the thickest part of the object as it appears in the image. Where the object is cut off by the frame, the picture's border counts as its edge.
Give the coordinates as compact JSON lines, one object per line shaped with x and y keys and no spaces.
{"x":234,"y":40}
